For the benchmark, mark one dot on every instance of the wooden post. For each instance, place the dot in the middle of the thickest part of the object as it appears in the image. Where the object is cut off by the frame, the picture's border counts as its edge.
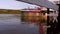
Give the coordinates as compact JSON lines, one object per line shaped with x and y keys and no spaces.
{"x":47,"y":17}
{"x":47,"y":20}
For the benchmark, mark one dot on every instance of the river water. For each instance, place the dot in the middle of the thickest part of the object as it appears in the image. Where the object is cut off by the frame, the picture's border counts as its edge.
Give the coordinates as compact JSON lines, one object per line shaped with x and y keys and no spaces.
{"x":11,"y":24}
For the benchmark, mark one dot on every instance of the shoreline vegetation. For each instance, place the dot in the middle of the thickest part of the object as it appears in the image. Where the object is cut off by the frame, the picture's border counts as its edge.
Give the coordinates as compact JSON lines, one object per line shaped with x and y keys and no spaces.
{"x":4,"y":11}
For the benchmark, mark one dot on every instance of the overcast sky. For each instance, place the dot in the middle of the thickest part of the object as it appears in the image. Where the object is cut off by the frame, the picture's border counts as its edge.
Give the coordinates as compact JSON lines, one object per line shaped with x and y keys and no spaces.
{"x":53,"y":0}
{"x":13,"y":4}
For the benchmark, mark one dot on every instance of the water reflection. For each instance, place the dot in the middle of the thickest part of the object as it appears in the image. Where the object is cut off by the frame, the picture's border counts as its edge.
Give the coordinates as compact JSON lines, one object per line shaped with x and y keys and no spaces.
{"x":13,"y":25}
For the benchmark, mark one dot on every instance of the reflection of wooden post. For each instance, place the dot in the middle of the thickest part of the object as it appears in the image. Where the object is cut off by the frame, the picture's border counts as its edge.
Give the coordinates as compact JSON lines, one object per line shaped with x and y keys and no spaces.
{"x":41,"y":30}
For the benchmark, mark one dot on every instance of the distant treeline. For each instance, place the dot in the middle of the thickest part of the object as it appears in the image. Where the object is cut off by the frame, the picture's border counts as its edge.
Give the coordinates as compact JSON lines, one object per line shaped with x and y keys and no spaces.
{"x":4,"y":11}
